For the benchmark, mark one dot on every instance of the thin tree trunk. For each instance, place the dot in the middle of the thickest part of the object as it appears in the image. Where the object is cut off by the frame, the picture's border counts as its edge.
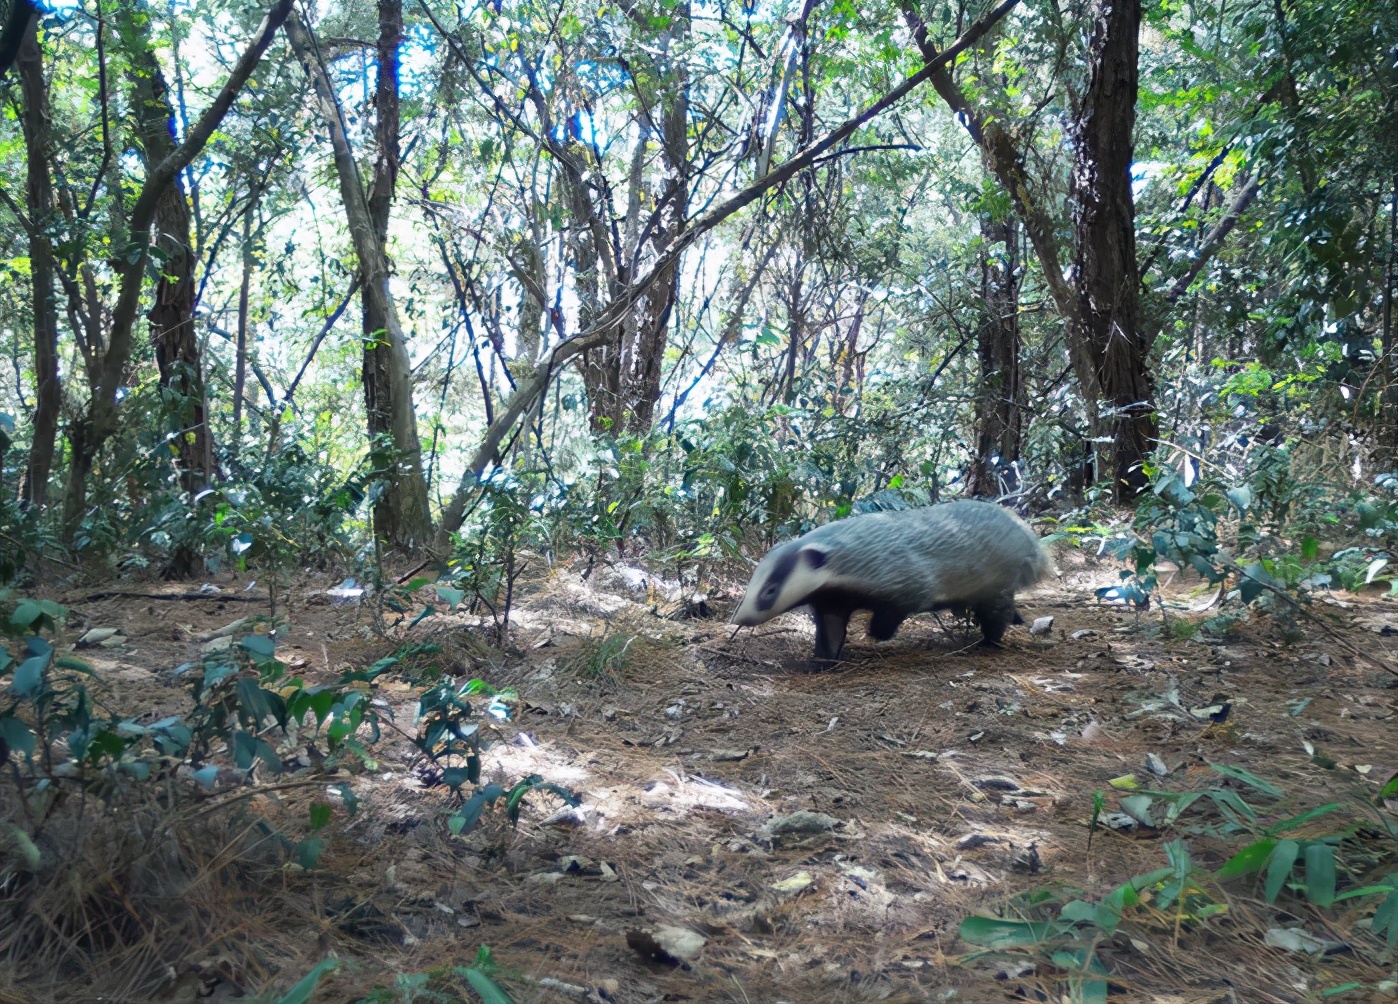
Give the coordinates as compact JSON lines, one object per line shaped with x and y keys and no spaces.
{"x":641,"y":382}
{"x":39,"y":194}
{"x":402,"y":517}
{"x":240,"y":351}
{"x":172,"y":314}
{"x":20,"y":18}
{"x":999,"y":397}
{"x":377,"y":364}
{"x":1109,"y":322}
{"x":1390,"y":277}
{"x":87,"y":435}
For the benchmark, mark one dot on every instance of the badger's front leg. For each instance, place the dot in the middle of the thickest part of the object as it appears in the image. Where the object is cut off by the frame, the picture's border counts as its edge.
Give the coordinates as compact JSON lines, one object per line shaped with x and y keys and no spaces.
{"x":831,"y":624}
{"x":994,"y":617}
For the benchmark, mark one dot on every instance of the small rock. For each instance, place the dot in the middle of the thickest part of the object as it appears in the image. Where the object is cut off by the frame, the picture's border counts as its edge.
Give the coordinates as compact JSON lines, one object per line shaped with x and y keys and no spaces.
{"x":973,"y":840}
{"x":998,"y":783}
{"x":672,"y":945}
{"x":1083,"y":633}
{"x":803,"y":821}
{"x":1041,"y":626}
{"x":561,"y":987}
{"x":1027,"y":860}
{"x":566,"y":816}
{"x":97,"y":636}
{"x":1294,"y":939}
{"x":1118,"y":821}
{"x":794,"y":884}
{"x":1156,"y":765}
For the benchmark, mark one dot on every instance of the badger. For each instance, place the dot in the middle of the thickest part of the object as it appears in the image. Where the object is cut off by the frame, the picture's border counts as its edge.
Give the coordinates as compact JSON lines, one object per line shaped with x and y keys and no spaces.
{"x":964,"y":556}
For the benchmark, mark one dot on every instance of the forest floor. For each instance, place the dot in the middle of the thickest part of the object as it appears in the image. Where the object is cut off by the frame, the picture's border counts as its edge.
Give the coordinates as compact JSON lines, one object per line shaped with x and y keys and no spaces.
{"x":948,"y":780}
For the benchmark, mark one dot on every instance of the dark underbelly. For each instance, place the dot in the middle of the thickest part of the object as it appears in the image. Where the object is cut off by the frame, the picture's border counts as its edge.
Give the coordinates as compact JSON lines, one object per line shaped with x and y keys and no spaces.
{"x":847,"y":601}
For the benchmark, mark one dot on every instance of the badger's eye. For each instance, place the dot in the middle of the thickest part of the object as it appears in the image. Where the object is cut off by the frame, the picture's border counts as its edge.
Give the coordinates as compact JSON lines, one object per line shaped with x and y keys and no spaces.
{"x":771,"y":590}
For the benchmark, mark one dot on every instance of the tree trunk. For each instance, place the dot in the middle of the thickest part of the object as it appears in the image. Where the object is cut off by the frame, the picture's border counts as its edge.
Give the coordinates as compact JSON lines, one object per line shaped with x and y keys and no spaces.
{"x":39,"y":196}
{"x":402,"y":517}
{"x":1390,"y":277}
{"x":172,"y":314}
{"x":377,"y":365}
{"x":622,"y":378}
{"x":1107,"y":344}
{"x":1108,"y":314}
{"x":240,"y":349}
{"x":107,"y":367}
{"x":999,"y":397}
{"x":642,"y":380}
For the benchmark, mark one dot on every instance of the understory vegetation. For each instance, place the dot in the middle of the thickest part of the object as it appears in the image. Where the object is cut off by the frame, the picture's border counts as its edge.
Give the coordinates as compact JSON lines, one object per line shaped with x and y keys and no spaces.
{"x":407,"y":331}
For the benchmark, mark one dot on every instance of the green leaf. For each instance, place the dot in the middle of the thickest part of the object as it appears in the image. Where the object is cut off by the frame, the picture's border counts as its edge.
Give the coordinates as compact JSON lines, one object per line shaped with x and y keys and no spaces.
{"x":1241,"y":497}
{"x":26,"y":613}
{"x":1279,"y":867}
{"x":1138,"y":808}
{"x":992,"y":932}
{"x":18,"y":736}
{"x":28,"y":850}
{"x":1386,"y":916}
{"x":29,"y":676}
{"x":259,"y":645}
{"x":451,"y":597}
{"x":321,"y":813}
{"x":1368,"y":890}
{"x":301,"y":992}
{"x":1247,"y":778}
{"x":1305,"y":817}
{"x":1250,"y":859}
{"x":1320,"y":874}
{"x":348,"y":797}
{"x":486,"y":988}
{"x":308,"y":851}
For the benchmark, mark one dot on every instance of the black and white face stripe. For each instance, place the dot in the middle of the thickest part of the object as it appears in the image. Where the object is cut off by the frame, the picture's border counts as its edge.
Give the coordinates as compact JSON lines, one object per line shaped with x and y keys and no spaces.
{"x":783,"y":580}
{"x":776,"y":579}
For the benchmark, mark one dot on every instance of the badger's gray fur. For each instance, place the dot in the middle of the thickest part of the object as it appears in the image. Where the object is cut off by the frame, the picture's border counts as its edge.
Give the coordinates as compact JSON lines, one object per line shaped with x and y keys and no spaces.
{"x":956,"y":556}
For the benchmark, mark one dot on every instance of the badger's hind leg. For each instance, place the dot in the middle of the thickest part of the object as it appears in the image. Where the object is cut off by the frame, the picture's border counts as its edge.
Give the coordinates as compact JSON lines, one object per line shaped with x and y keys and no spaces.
{"x":995,"y":616}
{"x":831,"y":624}
{"x":885,"y":622}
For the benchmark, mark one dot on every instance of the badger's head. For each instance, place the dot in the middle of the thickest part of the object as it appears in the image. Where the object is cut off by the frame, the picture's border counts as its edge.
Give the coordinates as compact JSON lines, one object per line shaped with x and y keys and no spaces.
{"x":784,"y":579}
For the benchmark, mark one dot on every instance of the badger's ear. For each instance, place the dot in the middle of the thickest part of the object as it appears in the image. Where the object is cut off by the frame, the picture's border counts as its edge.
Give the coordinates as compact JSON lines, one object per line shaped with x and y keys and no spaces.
{"x":815,"y":555}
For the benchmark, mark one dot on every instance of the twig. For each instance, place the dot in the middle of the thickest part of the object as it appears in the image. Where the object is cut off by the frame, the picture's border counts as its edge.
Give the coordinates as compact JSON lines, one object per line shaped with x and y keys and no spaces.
{"x":220,"y":597}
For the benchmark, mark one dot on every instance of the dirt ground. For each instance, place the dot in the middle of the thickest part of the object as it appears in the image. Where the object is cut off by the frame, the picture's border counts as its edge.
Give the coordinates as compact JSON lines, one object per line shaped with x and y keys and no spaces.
{"x":954,"y":778}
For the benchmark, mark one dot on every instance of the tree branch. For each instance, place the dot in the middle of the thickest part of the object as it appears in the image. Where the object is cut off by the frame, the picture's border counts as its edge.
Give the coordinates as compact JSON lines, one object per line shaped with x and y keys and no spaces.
{"x":1214,"y":240}
{"x":533,"y":384}
{"x":159,"y":178}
